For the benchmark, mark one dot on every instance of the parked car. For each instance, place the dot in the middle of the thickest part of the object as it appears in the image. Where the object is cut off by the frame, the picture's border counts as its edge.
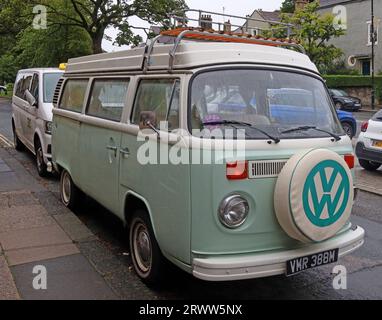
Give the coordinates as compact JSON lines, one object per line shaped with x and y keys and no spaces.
{"x":3,"y":90}
{"x":369,"y":145}
{"x":32,"y":113}
{"x":343,"y":101}
{"x":349,"y":123}
{"x":284,"y":108}
{"x":279,"y":203}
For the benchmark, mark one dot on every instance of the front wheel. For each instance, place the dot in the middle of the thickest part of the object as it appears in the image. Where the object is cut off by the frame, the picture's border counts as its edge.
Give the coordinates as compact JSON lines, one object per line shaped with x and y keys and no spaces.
{"x":369,"y":165}
{"x":16,"y":141}
{"x":348,"y":129}
{"x":148,"y":261}
{"x":40,"y":162}
{"x":69,"y":192}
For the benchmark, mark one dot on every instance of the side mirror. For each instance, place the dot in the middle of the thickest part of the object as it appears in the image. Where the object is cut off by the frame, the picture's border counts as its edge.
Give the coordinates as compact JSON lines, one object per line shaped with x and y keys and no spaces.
{"x":30,"y":98}
{"x":148,"y":120}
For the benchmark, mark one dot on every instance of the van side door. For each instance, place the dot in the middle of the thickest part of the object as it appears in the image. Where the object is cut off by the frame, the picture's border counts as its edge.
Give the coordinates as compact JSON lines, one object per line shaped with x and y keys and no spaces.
{"x":147,"y":161}
{"x":23,"y":107}
{"x":100,"y":140}
{"x":31,"y":111}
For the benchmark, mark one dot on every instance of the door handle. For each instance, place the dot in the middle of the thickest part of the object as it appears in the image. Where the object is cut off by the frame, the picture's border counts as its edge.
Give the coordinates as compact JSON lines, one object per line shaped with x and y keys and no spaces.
{"x":125,"y":152}
{"x":111,"y":148}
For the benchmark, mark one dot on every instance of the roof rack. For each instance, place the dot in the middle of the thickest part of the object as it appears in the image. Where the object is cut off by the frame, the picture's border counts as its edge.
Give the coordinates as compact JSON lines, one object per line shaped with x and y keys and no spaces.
{"x":199,"y":34}
{"x":205,"y":32}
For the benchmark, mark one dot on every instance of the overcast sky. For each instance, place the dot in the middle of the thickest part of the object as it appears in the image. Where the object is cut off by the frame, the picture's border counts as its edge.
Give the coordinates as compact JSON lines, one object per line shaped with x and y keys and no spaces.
{"x":234,"y":7}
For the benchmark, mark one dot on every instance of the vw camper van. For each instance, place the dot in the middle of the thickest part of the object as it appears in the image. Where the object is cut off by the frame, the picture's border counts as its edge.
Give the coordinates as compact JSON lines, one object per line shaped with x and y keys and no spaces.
{"x":32,"y":113}
{"x":207,"y":154}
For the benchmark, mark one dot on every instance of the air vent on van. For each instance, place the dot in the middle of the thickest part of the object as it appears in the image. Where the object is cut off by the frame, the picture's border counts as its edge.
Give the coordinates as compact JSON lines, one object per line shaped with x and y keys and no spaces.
{"x":57,"y":92}
{"x":265,"y":168}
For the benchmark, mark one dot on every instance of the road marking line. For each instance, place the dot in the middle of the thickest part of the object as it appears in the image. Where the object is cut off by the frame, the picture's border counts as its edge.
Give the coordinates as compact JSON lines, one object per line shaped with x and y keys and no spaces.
{"x":6,"y":141}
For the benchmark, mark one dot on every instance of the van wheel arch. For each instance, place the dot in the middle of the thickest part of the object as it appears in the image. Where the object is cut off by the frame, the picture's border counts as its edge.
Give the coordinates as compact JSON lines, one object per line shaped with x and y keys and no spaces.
{"x":132,"y":204}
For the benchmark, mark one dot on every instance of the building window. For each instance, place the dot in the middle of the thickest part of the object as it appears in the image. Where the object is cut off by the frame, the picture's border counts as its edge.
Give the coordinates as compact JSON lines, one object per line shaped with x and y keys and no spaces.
{"x":369,"y":35}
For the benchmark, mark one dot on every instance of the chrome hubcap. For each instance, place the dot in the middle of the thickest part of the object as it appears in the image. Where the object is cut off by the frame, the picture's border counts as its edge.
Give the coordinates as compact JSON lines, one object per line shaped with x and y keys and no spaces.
{"x":66,"y":188}
{"x":142,"y":247}
{"x":348,"y":130}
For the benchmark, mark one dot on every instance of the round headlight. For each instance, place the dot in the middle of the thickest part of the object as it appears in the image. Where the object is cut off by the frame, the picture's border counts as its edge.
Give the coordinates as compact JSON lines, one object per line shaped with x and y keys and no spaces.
{"x":233,"y":211}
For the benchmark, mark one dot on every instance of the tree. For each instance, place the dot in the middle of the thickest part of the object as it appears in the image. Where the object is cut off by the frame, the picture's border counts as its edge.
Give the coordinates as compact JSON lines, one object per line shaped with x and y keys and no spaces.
{"x":95,"y":16}
{"x":24,"y":47}
{"x":287,"y":6}
{"x":314,"y":31}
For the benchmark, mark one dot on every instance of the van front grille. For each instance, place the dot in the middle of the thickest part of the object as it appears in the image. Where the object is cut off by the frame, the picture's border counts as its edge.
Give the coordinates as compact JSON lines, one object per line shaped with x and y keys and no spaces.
{"x":265,"y":168}
{"x":57,"y":92}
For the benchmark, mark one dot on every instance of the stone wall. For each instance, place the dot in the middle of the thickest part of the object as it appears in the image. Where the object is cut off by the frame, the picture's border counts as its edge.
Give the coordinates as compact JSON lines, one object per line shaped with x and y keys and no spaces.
{"x":363,"y":93}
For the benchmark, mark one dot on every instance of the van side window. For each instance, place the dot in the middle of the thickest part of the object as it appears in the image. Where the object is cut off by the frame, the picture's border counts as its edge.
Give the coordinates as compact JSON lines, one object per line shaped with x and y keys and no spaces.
{"x":74,"y":95}
{"x":34,"y":87}
{"x":22,"y":84}
{"x":107,"y":98}
{"x":160,"y":96}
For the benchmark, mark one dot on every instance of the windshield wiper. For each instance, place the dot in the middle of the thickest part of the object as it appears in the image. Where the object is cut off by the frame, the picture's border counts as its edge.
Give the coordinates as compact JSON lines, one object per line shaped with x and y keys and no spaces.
{"x":241,"y":123}
{"x":306,"y":128}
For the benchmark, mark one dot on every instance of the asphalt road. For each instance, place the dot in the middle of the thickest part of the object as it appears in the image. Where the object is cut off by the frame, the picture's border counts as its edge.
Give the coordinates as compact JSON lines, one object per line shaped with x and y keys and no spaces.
{"x":364,"y":267}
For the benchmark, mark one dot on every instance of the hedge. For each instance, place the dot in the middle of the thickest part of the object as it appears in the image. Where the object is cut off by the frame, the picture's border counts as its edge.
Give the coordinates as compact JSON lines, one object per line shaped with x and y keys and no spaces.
{"x":341,"y":81}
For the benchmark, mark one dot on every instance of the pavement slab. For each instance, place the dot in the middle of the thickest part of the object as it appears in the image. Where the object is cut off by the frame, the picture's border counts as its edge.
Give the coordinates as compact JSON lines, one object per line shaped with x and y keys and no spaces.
{"x":75,"y":229}
{"x":8,"y":289}
{"x":18,"y":198}
{"x":35,"y":237}
{"x":23,"y":256}
{"x":68,"y":278}
{"x":24,"y":217}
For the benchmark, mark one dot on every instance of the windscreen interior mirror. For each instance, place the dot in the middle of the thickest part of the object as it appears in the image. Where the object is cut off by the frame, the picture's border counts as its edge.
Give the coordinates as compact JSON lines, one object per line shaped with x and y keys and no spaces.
{"x":30,"y":98}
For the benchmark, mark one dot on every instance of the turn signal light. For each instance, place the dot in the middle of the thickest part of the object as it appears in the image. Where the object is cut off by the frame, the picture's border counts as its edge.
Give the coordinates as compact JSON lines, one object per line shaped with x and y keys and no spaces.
{"x":237,"y":170}
{"x":364,"y":126}
{"x":349,"y":159}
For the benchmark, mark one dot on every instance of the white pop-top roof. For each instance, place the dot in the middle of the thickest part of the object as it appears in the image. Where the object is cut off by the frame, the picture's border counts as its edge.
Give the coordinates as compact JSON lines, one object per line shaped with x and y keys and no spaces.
{"x":191,"y":55}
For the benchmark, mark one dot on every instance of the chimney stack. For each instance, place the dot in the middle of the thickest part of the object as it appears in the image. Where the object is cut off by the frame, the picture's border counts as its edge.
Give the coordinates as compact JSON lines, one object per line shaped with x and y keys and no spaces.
{"x":206,"y":22}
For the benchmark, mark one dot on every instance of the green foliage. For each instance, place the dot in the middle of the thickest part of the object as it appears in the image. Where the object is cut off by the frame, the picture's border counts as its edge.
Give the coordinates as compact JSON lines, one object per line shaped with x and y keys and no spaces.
{"x":24,"y":47}
{"x":314,"y":30}
{"x":339,"y":68}
{"x":96,"y":16}
{"x":340,"y":81}
{"x":287,"y":6}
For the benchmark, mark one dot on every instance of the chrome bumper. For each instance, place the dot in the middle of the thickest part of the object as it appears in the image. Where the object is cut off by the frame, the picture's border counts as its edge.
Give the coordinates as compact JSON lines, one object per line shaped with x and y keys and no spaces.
{"x":239,"y":267}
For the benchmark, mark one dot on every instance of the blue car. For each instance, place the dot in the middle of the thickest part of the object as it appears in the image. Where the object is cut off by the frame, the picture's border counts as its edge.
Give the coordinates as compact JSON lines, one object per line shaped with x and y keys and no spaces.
{"x":285,"y":109}
{"x":348,"y":122}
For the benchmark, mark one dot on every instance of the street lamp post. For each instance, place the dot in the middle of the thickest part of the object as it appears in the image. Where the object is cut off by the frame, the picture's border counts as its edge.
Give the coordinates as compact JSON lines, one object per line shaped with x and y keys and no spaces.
{"x":372,"y":31}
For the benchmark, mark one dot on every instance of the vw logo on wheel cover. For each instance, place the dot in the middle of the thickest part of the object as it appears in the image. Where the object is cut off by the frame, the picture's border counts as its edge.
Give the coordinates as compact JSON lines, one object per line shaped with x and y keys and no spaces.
{"x":326,"y":193}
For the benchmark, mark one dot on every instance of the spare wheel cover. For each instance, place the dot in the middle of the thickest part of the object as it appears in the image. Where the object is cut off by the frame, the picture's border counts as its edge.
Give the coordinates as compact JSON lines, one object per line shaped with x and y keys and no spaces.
{"x":314,"y":195}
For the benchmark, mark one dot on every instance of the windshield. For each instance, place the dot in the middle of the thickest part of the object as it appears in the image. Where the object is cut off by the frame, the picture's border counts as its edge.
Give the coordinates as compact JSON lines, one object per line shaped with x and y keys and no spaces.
{"x":50,"y":83}
{"x":273,"y":101}
{"x":339,"y":93}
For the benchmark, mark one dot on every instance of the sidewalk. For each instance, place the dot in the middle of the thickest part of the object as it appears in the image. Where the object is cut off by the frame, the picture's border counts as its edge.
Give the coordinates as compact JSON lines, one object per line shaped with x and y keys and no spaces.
{"x":36,"y":229}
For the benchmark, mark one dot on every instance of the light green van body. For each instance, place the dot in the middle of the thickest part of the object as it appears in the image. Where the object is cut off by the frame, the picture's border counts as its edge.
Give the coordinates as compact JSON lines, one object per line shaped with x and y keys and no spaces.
{"x":182,"y":200}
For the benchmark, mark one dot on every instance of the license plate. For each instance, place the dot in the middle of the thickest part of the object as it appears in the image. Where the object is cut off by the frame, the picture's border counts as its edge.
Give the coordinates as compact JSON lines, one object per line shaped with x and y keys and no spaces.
{"x":308,"y":262}
{"x":377,"y":144}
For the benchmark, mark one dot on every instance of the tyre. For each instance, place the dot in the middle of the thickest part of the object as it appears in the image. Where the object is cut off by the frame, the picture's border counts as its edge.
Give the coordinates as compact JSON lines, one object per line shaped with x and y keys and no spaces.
{"x":338,"y":105}
{"x":40,"y":163}
{"x":69,"y":192}
{"x":369,"y":165}
{"x":348,"y":128}
{"x":16,"y":141}
{"x":148,"y":260}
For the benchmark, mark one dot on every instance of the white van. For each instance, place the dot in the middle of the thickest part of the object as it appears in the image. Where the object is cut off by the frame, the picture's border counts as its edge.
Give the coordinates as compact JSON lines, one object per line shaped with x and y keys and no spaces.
{"x":32,"y":113}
